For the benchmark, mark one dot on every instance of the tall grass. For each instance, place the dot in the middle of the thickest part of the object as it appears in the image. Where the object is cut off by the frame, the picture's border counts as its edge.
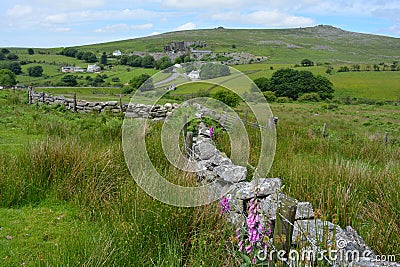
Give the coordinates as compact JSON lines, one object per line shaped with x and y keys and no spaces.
{"x":349,"y":178}
{"x":117,"y":223}
{"x":77,"y":160}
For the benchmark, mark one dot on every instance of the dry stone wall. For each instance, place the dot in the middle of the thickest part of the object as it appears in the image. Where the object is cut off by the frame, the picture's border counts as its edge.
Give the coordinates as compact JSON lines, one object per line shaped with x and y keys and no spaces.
{"x":156,"y":112}
{"x":308,"y":232}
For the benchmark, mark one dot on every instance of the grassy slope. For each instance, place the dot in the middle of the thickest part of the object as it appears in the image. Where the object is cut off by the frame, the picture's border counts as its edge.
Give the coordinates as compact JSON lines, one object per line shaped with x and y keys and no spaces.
{"x":67,"y":198}
{"x":321,"y":43}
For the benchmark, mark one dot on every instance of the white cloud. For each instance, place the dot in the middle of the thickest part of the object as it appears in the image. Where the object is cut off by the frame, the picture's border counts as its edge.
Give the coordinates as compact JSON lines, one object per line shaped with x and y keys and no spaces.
{"x":61,"y":29}
{"x":209,"y":4}
{"x":103,"y":15}
{"x":124,"y":27}
{"x":185,"y":27}
{"x":265,"y":18}
{"x":57,"y":18}
{"x":155,"y":33}
{"x":19,"y":11}
{"x":69,"y":4}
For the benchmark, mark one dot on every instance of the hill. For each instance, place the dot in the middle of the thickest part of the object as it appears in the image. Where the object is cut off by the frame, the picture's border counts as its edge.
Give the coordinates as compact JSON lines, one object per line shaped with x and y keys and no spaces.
{"x":322,"y":43}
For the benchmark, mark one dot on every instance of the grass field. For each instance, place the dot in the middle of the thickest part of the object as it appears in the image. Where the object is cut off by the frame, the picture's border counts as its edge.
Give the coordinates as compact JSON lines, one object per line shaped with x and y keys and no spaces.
{"x":68,"y":199}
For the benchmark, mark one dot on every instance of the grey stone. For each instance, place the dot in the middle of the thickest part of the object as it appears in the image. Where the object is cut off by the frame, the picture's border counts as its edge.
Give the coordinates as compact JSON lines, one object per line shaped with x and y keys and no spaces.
{"x":269,"y":205}
{"x":221,"y":160}
{"x":315,"y":230}
{"x":111,"y":103}
{"x":81,"y":104}
{"x":205,"y":150}
{"x":352,"y":241}
{"x":371,"y":262}
{"x":231,"y":173}
{"x":168,"y":106}
{"x":265,"y":187}
{"x":158,"y":119}
{"x":304,"y":211}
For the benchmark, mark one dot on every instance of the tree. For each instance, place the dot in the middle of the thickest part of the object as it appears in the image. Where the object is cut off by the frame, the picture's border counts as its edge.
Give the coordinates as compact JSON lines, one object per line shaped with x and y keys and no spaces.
{"x":12,"y":56}
{"x":69,"y":80}
{"x":5,"y":51}
{"x":2,"y":56}
{"x":89,"y":57}
{"x":15,"y":67}
{"x":142,"y":82}
{"x":134,"y":61}
{"x":69,"y":52}
{"x":344,"y":69}
{"x":262,"y":83}
{"x":307,"y":63}
{"x":35,"y":71}
{"x":269,"y":96}
{"x":163,"y":63}
{"x":79,"y":55}
{"x":7,"y":78}
{"x":148,"y":61}
{"x":228,"y":97}
{"x":292,"y":83}
{"x":233,"y":46}
{"x":356,"y":67}
{"x":31,"y":51}
{"x":103,"y":59}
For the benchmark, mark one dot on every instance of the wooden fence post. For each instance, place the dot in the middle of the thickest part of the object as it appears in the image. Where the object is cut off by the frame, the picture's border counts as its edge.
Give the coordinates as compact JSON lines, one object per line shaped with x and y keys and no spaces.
{"x":189,"y":144}
{"x":324,"y":130}
{"x":185,"y":118}
{"x":246,"y":113}
{"x":385,"y":138}
{"x":29,"y":96}
{"x":283,"y":231}
{"x":120,"y":103}
{"x":75,"y":104}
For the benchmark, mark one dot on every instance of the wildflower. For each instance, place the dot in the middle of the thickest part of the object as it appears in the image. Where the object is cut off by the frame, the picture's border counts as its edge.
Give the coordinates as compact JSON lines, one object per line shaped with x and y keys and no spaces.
{"x":211,"y":132}
{"x":225,"y":204}
{"x":248,"y":249}
{"x":254,"y":236}
{"x":240,"y":245}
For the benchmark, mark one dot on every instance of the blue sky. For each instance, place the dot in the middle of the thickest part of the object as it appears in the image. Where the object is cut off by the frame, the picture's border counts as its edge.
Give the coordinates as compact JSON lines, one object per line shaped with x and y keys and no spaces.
{"x":55,"y":23}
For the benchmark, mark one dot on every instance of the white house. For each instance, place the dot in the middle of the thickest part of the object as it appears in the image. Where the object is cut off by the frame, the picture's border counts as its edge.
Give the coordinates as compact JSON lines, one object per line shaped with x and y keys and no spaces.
{"x":117,"y":53}
{"x":93,"y":68}
{"x":194,"y":75}
{"x":72,"y":69}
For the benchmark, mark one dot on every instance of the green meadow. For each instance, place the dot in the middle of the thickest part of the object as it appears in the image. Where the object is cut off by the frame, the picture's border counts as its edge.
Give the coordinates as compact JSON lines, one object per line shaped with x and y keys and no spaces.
{"x":67,"y":197}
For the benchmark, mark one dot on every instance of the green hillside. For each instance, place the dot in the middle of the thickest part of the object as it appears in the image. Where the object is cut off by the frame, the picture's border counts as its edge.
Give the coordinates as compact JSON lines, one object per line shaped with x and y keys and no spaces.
{"x":323,"y":43}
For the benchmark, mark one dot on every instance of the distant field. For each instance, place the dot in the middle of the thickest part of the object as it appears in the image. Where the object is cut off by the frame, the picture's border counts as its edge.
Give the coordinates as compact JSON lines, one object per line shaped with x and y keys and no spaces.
{"x":382,"y":85}
{"x":372,"y":85}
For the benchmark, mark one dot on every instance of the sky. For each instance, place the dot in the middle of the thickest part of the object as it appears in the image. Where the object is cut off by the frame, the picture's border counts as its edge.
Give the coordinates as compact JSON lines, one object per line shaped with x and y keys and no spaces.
{"x":62,"y":23}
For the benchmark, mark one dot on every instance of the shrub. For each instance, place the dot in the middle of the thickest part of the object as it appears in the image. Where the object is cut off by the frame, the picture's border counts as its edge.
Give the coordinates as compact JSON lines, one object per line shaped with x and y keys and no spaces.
{"x":309,"y":97}
{"x":283,"y":99}
{"x":227,"y":97}
{"x":269,"y":96}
